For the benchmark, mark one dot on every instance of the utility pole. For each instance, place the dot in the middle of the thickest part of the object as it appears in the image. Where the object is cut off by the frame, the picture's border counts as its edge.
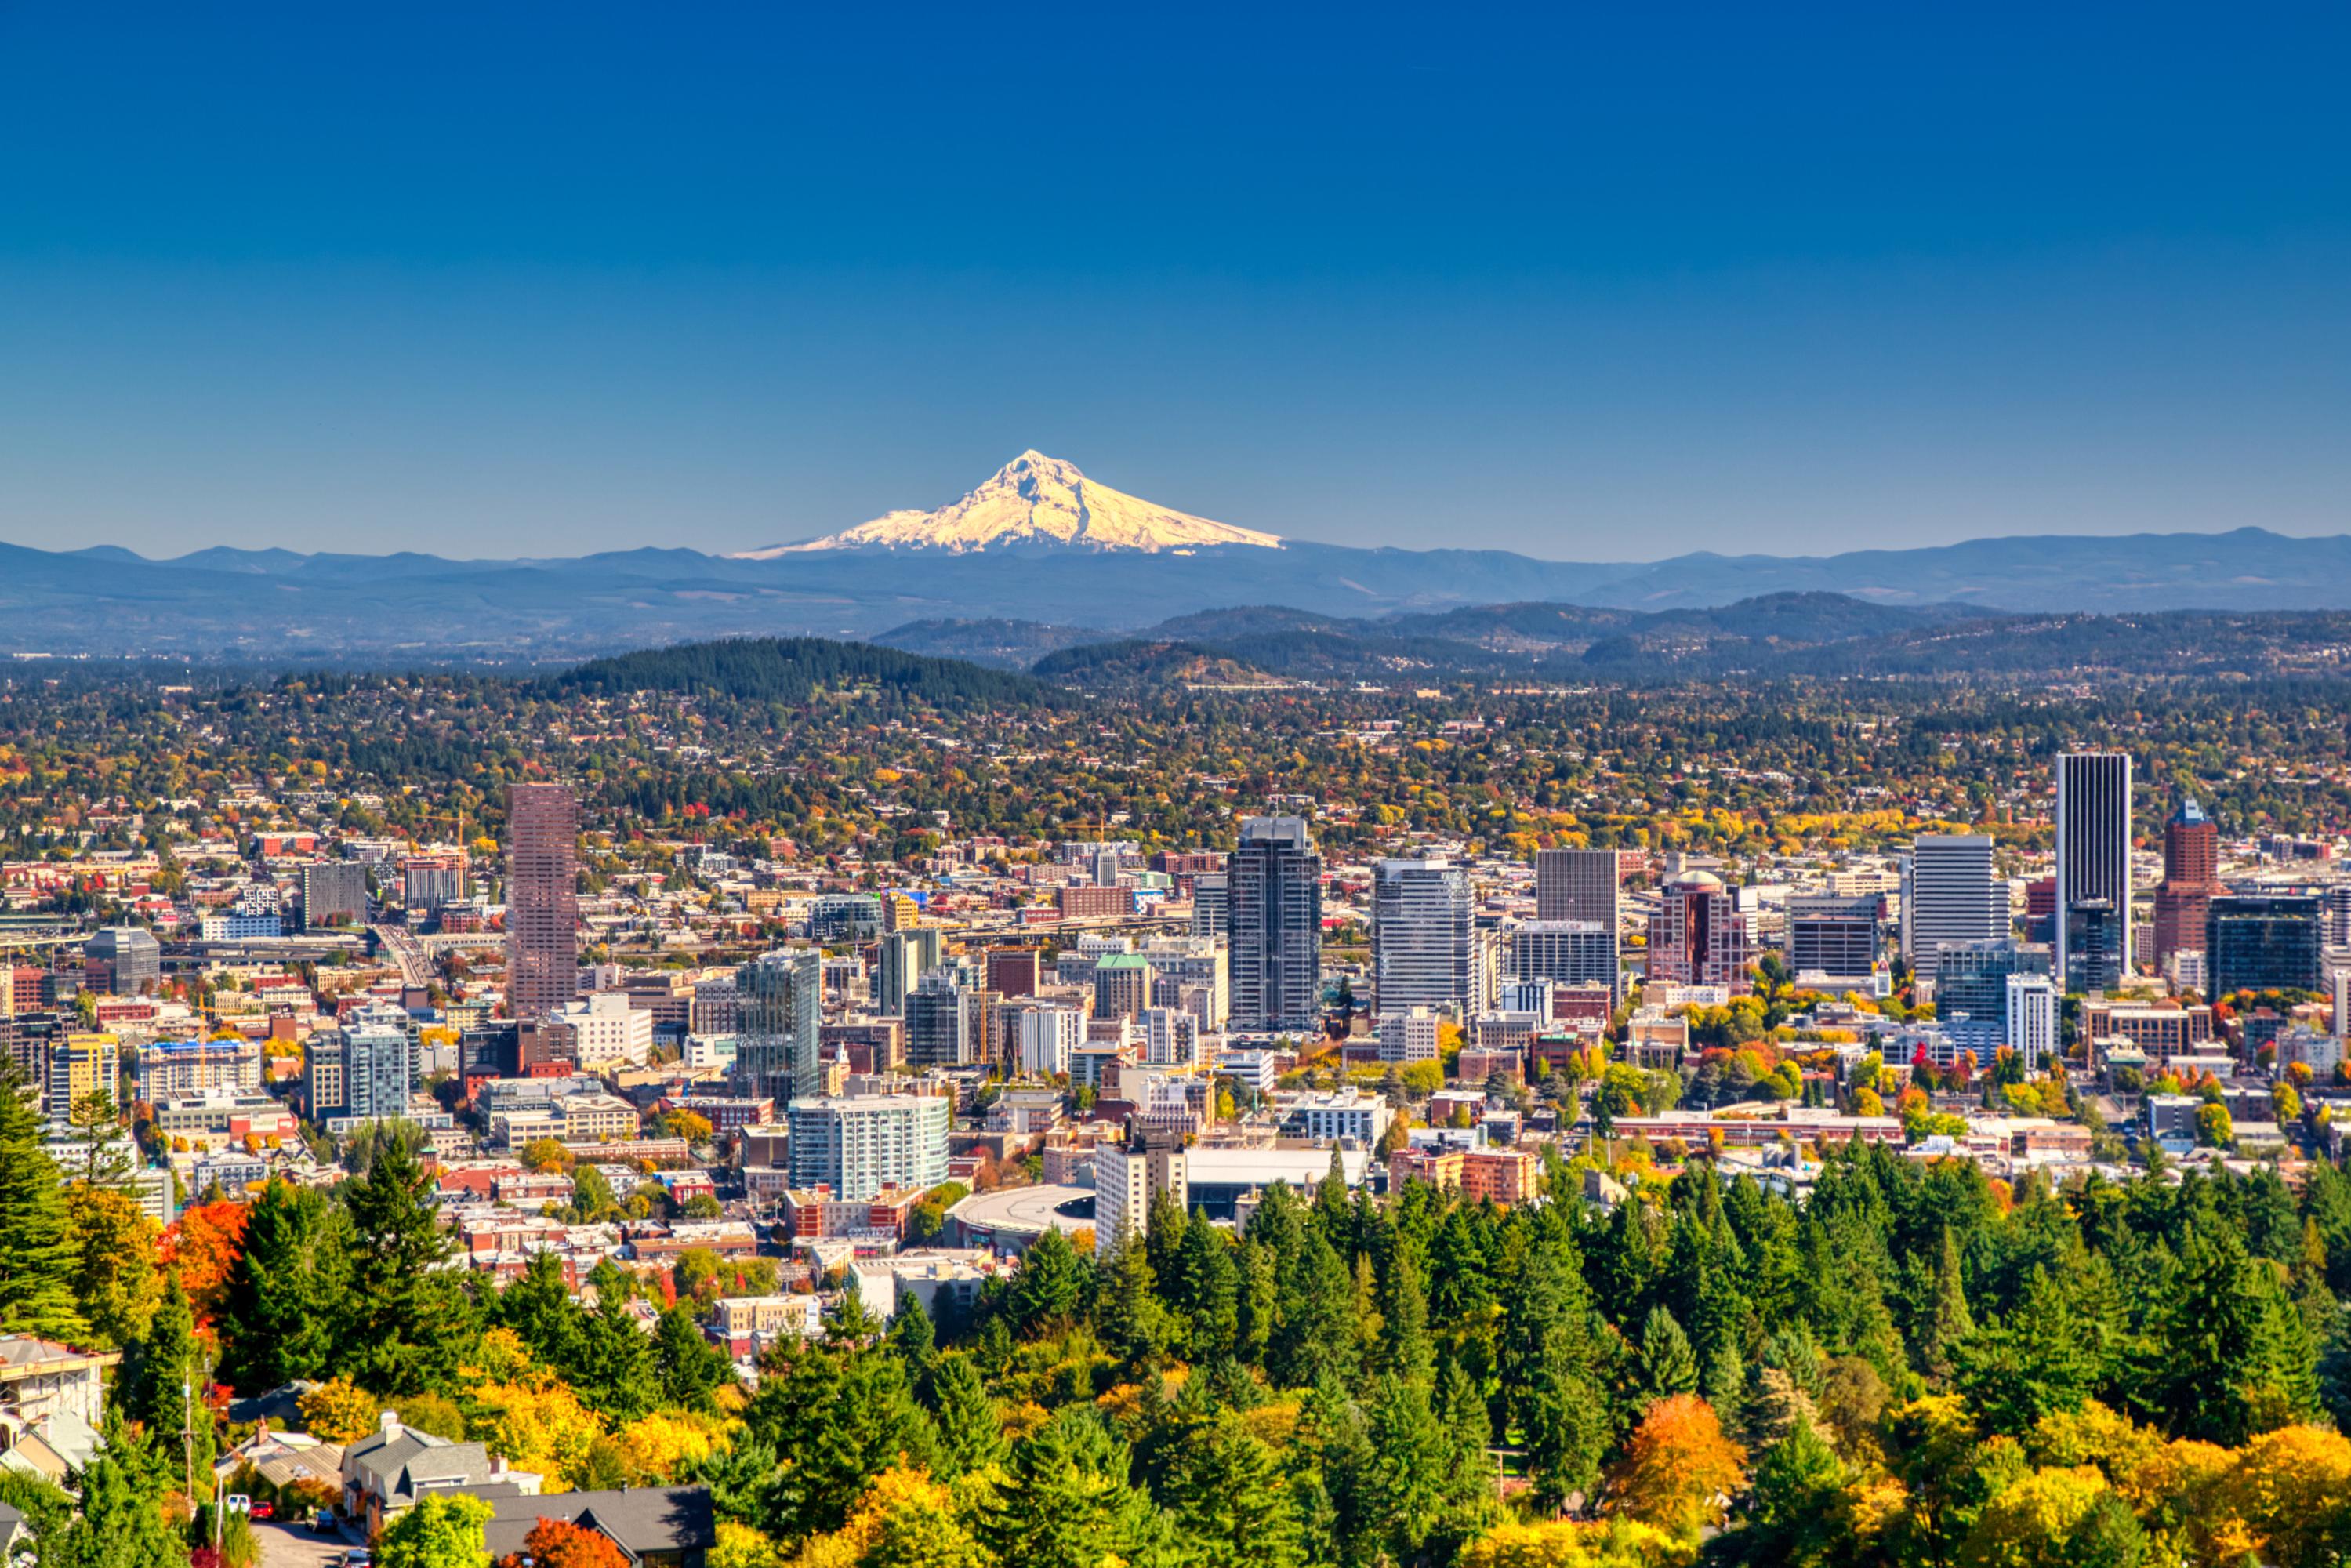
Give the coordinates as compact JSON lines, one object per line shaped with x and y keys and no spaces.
{"x":188,"y":1434}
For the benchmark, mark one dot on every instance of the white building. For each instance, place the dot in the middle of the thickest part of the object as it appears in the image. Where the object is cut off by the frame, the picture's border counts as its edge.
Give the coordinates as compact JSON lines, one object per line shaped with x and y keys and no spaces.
{"x":1331,"y":1115}
{"x":1409,"y":1036}
{"x":1193,"y":967}
{"x":1423,"y":944}
{"x":1573,"y":951}
{"x":1125,"y":1180}
{"x":1948,"y":897}
{"x":859,"y":1145}
{"x":1048,"y":1034}
{"x":1171,"y":1038}
{"x":606,"y":1032}
{"x":2032,"y":1020}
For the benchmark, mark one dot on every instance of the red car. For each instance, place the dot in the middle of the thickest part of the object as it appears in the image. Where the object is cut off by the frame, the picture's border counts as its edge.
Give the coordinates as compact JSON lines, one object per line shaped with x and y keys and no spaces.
{"x":261,"y":1509}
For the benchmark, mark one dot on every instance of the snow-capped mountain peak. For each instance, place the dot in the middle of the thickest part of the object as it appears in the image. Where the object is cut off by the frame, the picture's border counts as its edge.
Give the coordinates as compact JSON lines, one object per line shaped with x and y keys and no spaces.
{"x":1036,"y":499}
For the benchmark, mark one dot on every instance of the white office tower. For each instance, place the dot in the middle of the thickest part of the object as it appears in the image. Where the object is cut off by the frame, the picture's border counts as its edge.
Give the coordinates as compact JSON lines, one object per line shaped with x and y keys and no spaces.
{"x":1948,"y":897}
{"x":2032,"y":1020}
{"x":1423,"y":939}
{"x":1171,"y":1038}
{"x":1049,"y":1033}
{"x":1572,"y":952}
{"x":2094,"y":869}
{"x":859,"y":1145}
{"x":1125,"y":1178}
{"x":2343,"y":1004}
{"x":1409,"y":1036}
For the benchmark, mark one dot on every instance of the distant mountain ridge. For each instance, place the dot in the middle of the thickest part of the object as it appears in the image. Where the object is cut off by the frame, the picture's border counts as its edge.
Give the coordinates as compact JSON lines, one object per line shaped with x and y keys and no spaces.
{"x":1776,"y":636}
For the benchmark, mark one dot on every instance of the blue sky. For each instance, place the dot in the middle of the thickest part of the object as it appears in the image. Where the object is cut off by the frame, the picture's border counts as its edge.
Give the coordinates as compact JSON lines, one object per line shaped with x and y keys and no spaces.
{"x":1589,"y":282}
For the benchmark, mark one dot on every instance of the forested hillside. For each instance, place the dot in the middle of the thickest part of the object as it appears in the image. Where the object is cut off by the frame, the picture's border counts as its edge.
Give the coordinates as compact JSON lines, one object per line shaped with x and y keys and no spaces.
{"x":789,"y":669}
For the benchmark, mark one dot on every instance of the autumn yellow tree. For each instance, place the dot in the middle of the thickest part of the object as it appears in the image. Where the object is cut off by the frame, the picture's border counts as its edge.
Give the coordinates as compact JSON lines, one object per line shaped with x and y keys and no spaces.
{"x":1565,"y":1543}
{"x":338,"y":1412}
{"x":1678,"y":1467}
{"x":2292,"y":1488}
{"x":538,"y":1424}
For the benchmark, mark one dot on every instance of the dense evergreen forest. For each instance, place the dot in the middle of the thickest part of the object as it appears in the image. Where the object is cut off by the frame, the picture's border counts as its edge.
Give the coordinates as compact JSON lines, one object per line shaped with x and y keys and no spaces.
{"x":1916,"y":1367}
{"x":791,"y":669}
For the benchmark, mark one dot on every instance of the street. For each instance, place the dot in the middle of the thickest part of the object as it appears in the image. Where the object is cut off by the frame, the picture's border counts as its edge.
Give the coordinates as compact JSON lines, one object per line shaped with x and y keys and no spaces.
{"x":292,"y":1546}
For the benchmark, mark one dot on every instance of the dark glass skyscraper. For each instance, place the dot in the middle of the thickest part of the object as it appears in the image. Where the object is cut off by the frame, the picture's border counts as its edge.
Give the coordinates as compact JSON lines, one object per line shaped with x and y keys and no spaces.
{"x":2094,"y":871}
{"x":780,"y":1005}
{"x":2265,"y":942}
{"x":1274,"y":911}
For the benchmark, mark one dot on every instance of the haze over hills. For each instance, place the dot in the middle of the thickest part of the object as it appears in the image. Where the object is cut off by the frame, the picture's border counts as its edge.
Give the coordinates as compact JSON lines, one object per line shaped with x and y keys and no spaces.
{"x":1040,"y":542}
{"x":1815,"y":635}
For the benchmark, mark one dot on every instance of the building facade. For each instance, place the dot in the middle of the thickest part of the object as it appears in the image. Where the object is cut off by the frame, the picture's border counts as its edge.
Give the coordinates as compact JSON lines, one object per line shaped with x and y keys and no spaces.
{"x":2265,"y":942}
{"x":2094,"y":869}
{"x":778,"y":1014}
{"x":857,"y":1145}
{"x":1423,"y":937}
{"x":1578,"y":885}
{"x":1275,"y":916}
{"x":542,"y":898}
{"x":1569,"y":952}
{"x":1700,"y":938}
{"x":1948,"y":895}
{"x":2191,"y":872}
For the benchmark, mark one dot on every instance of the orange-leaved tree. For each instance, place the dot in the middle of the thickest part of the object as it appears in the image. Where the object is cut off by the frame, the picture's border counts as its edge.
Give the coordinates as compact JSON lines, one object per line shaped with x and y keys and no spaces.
{"x":560,"y":1543}
{"x":1678,"y":1467}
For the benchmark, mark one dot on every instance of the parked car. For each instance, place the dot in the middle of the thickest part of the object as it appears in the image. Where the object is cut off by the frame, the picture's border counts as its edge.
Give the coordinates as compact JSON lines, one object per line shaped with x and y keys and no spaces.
{"x":357,"y":1557}
{"x":322,"y":1521}
{"x":237,"y":1502}
{"x":263,"y":1509}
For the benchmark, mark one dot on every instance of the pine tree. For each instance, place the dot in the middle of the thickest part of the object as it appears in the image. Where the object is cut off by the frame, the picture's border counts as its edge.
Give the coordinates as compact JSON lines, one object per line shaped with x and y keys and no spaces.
{"x":686,"y":1367}
{"x":37,"y":1254}
{"x":1946,"y":1320}
{"x":1404,"y":1348}
{"x":538,"y":1307}
{"x":1231,"y":1500}
{"x":1164,"y":1240}
{"x":1256,"y":1302}
{"x":1207,"y":1291}
{"x":160,"y":1392}
{"x":1049,"y":1284}
{"x":120,"y":1525}
{"x":1068,"y":1503}
{"x":1667,"y":1366}
{"x":1333,"y":1215}
{"x":914,"y":1341}
{"x":278,"y":1312}
{"x":409,"y":1323}
{"x":1411,"y":1461}
{"x":842,"y":1415}
{"x":1317,"y":1333}
{"x":971,"y":1433}
{"x":1128,"y":1315}
{"x":2018,"y":1369}
{"x":614,"y":1374}
{"x":1564,"y":1425}
{"x":1790,"y":1510}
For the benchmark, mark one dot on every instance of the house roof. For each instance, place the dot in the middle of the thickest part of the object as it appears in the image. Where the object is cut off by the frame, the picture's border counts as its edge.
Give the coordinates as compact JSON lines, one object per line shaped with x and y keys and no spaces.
{"x":638,"y":1519}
